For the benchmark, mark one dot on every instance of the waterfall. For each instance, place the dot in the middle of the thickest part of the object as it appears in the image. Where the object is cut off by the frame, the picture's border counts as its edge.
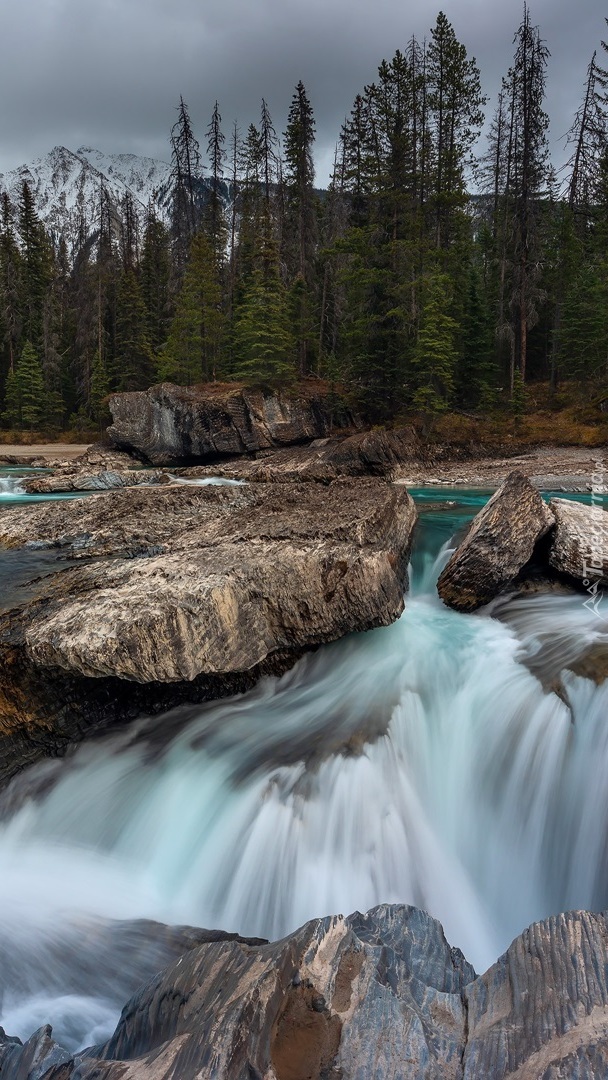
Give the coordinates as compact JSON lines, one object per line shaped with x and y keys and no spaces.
{"x":10,"y":486}
{"x":450,"y":761}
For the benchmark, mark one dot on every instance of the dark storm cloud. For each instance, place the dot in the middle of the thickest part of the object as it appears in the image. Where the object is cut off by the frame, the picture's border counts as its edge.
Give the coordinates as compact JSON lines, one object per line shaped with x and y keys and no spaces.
{"x":108,"y":73}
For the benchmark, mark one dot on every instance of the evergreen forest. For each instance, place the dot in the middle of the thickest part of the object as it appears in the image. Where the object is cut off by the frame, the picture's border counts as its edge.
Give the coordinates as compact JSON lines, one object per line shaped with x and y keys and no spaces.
{"x":439,"y":271}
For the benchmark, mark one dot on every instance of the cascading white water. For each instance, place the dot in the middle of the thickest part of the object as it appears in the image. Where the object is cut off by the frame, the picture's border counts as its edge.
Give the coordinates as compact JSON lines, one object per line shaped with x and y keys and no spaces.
{"x":428,"y":762}
{"x":10,"y":486}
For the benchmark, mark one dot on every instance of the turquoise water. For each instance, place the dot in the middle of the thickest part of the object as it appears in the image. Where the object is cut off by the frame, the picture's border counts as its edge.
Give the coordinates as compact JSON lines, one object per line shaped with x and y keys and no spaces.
{"x":429,"y":762}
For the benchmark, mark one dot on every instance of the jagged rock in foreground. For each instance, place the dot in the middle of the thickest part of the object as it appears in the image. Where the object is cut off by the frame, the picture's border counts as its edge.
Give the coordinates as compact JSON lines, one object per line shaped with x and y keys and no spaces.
{"x":170,"y":424}
{"x":193,"y":594}
{"x":380,"y":996}
{"x":499,"y":543}
{"x":579,"y":545}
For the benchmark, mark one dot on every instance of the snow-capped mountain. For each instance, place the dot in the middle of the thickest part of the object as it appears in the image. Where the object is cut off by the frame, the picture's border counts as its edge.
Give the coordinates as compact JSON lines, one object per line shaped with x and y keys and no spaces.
{"x":67,"y":186}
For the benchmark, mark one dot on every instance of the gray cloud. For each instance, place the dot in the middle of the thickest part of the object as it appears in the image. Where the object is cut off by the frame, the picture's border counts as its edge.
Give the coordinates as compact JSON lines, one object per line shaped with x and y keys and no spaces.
{"x":108,"y":73}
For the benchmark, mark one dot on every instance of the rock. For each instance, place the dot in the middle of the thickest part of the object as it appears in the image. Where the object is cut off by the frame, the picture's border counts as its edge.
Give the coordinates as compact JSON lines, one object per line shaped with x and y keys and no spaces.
{"x":392,"y":989}
{"x":542,"y":1010}
{"x":102,"y":456}
{"x":87,"y":480}
{"x":170,"y":424}
{"x":579,"y":545}
{"x":380,"y":996}
{"x":366,"y":453}
{"x":230,"y":583}
{"x":499,"y":543}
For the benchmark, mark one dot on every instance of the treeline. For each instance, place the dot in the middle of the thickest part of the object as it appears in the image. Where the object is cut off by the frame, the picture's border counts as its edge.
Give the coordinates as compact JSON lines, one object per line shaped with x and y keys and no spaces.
{"x":396,"y":281}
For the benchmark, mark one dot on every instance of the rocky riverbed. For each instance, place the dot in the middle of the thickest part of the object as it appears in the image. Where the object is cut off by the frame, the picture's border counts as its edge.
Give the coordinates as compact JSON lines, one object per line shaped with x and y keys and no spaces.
{"x":186,"y":593}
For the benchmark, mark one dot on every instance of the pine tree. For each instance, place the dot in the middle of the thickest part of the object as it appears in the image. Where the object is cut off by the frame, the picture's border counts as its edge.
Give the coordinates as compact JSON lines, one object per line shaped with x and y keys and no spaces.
{"x":194,"y":348}
{"x":10,"y":288}
{"x":24,"y":399}
{"x":301,"y":235}
{"x":527,"y":181}
{"x":134,"y":363}
{"x":36,"y":267}
{"x":435,"y":356}
{"x":186,"y":172}
{"x":263,"y":342}
{"x":455,"y":104}
{"x":214,"y":214}
{"x":155,"y":276}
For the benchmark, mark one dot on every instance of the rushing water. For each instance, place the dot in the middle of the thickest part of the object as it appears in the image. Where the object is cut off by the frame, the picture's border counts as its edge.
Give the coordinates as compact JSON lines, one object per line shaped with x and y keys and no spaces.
{"x":431,"y":762}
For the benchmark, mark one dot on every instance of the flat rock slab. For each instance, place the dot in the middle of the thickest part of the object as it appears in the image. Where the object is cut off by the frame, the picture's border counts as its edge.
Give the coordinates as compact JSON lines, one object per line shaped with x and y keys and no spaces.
{"x":498,"y":545}
{"x":366,"y":453}
{"x":200,"y":589}
{"x":86,"y":479}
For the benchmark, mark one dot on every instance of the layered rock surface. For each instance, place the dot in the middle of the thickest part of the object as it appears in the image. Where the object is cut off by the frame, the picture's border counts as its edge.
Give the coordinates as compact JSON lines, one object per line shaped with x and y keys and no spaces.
{"x":517,"y":541}
{"x":499,"y":543}
{"x":169,"y":424}
{"x":186,"y":593}
{"x":380,"y":996}
{"x":579,"y":545}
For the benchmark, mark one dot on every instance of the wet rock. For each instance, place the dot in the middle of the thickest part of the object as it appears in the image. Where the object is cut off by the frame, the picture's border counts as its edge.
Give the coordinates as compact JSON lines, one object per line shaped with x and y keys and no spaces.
{"x":542,"y":1010}
{"x":499,"y":543}
{"x":397,"y":1002}
{"x":87,"y":480}
{"x":169,"y":424}
{"x":230,"y":583}
{"x":579,"y":545}
{"x":366,"y":453}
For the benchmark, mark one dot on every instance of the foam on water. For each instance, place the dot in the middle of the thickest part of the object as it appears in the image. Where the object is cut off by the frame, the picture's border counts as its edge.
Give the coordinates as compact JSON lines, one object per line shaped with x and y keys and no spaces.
{"x":428,"y":762}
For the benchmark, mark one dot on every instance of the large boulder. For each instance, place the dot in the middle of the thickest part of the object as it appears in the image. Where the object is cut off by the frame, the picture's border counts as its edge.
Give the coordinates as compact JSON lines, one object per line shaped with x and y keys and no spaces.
{"x":169,"y":424}
{"x":380,"y":996}
{"x":194,"y":592}
{"x":579,"y":545}
{"x":499,"y":543}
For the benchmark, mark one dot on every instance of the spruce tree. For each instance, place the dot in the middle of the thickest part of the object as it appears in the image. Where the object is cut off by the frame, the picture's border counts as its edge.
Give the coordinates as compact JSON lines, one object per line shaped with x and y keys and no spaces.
{"x":134,"y":363}
{"x":10,"y":288}
{"x":435,"y":355}
{"x":186,"y":174}
{"x":155,"y":277}
{"x":300,"y":236}
{"x":194,"y":348}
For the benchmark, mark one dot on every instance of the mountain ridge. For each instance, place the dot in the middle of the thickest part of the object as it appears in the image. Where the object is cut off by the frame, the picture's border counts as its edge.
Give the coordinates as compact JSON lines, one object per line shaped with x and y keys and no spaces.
{"x":67,"y":187}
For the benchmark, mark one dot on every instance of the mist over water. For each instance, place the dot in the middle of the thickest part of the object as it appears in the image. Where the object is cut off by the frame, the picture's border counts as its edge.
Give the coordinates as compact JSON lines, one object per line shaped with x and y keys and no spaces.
{"x":447,"y":761}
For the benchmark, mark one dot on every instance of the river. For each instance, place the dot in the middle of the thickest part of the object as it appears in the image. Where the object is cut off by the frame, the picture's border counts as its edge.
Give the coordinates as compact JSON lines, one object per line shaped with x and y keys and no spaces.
{"x":449,"y":761}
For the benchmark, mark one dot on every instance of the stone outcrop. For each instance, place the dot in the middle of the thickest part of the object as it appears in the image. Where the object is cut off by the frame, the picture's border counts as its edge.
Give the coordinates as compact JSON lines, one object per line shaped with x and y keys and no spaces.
{"x":380,"y":996}
{"x":518,"y":542}
{"x":579,"y":545}
{"x":366,"y":453}
{"x":87,"y":480}
{"x":169,"y":424}
{"x":193,"y":593}
{"x":499,"y":543}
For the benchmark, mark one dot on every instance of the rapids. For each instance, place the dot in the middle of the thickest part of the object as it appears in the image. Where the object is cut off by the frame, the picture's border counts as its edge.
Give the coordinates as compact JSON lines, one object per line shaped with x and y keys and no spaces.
{"x":449,"y":761}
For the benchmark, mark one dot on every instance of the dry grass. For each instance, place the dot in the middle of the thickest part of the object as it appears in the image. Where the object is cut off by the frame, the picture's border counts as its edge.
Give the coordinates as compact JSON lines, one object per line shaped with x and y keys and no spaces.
{"x":571,"y":417}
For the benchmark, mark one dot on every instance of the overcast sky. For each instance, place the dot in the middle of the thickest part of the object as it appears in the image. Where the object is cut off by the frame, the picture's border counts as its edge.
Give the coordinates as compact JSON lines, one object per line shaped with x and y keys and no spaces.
{"x":108,"y":73}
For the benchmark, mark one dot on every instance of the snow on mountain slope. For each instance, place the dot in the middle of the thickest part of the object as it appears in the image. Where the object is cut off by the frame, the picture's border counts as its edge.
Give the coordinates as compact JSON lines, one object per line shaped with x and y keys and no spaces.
{"x":67,"y":186}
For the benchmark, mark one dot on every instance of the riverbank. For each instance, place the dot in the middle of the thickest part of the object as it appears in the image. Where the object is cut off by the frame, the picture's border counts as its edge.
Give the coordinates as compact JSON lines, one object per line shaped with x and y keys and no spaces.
{"x":55,"y":451}
{"x":551,"y":468}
